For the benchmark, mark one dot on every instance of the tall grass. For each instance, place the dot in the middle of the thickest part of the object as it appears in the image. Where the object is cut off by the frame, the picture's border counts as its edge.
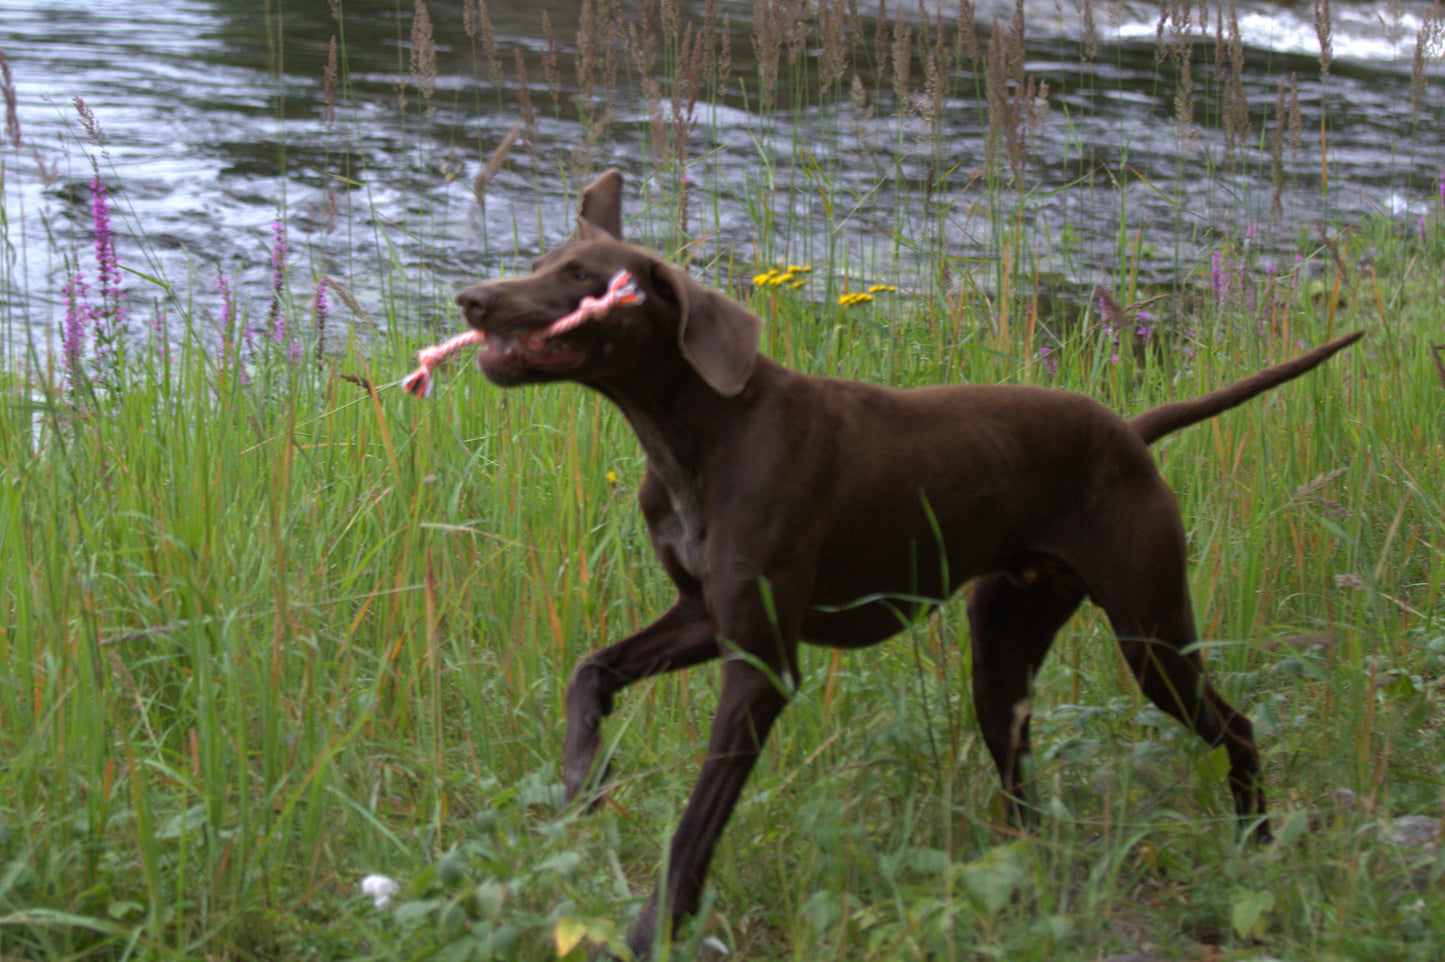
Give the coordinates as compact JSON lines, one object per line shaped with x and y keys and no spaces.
{"x":272,"y":625}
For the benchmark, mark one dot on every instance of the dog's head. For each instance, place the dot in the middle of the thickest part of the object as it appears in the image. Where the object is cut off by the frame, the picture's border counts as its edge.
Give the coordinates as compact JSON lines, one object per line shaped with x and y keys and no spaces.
{"x":677,"y":317}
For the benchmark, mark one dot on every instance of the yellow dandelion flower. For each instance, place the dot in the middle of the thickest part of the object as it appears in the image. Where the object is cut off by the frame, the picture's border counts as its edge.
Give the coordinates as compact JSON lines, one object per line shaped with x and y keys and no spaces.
{"x":799,"y":268}
{"x":760,"y":280}
{"x":879,"y":288}
{"x":611,"y":477}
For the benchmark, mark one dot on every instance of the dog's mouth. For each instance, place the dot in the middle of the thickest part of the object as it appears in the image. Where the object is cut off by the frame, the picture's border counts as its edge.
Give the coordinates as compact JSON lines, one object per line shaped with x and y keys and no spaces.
{"x":508,"y":357}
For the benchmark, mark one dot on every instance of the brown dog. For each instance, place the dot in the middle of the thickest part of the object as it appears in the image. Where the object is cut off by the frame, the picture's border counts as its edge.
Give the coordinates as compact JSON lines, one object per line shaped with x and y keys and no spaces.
{"x":790,"y":508}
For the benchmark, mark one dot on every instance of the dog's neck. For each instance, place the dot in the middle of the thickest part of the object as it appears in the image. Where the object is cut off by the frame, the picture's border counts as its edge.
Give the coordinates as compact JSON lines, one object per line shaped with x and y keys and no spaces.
{"x":664,"y":412}
{"x":673,"y":414}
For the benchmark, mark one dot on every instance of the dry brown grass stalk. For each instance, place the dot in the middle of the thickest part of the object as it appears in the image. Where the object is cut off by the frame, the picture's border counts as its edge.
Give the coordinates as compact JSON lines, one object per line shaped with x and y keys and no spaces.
{"x":1427,"y":48}
{"x":644,"y":38}
{"x":798,"y":13}
{"x":494,"y":164}
{"x":685,"y":90}
{"x":612,"y":55}
{"x":966,"y":33}
{"x":423,"y":55}
{"x":1014,"y":48}
{"x":1175,"y":43}
{"x":656,"y":118}
{"x":598,"y":41}
{"x":12,"y":115}
{"x":550,"y":70}
{"x":902,"y":57}
{"x":346,"y":297}
{"x":711,"y":41}
{"x":1324,"y":29}
{"x":1276,"y":149}
{"x":1296,"y":117}
{"x":937,"y":74}
{"x":477,"y":22}
{"x":525,"y":106}
{"x":589,"y":34}
{"x":995,"y":80}
{"x":722,"y":71}
{"x":93,"y":130}
{"x":331,"y":84}
{"x":1091,"y":32}
{"x":1234,"y":106}
{"x":768,"y":48}
{"x":671,"y":19}
{"x":860,"y":109}
{"x":1017,"y":103}
{"x":832,"y":32}
{"x":881,"y":46}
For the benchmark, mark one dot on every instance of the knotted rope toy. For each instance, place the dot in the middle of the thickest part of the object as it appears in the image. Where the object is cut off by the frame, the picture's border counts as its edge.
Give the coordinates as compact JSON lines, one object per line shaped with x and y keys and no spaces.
{"x":622,"y":291}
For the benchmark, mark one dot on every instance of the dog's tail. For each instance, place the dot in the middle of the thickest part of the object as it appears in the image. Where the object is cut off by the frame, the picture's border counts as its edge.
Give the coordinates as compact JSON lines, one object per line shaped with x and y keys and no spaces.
{"x":1168,"y":418}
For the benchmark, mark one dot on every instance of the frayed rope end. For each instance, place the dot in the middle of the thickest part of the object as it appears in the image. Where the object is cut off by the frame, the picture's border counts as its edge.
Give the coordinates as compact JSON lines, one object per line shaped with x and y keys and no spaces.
{"x":419,"y":383}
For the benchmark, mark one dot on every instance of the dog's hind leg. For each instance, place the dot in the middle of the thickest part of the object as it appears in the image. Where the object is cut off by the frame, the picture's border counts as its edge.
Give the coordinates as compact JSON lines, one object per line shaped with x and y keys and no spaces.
{"x":1013,"y":619}
{"x":1172,"y":677}
{"x":1149,"y":608}
{"x":682,"y":637}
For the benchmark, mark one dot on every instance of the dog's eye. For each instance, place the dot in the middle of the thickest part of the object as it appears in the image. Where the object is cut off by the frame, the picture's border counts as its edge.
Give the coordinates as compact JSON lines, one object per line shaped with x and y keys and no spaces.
{"x":581,"y":274}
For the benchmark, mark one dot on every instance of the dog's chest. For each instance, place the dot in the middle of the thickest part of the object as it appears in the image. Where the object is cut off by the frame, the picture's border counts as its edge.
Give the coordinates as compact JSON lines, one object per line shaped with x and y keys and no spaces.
{"x":680,"y":531}
{"x":675,"y":521}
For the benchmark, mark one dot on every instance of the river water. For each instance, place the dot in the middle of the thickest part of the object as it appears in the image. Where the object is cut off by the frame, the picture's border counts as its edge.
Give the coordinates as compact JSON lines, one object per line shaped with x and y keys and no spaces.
{"x":212,"y":122}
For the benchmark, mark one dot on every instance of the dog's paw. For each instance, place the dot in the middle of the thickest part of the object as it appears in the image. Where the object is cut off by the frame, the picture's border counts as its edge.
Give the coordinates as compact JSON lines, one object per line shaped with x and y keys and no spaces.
{"x":587,"y":788}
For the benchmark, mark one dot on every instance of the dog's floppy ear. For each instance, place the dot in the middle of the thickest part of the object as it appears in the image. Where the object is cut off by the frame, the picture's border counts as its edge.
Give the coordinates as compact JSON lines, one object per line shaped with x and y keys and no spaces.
{"x":600,"y":215}
{"x":717,"y":335}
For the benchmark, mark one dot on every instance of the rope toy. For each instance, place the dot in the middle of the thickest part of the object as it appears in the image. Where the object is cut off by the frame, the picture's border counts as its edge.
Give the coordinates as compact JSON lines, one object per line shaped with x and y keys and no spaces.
{"x":622,"y":291}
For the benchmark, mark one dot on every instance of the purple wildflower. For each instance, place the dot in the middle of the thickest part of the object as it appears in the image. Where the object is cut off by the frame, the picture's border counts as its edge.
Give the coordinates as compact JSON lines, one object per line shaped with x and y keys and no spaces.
{"x":106,"y":315}
{"x":229,"y":319}
{"x":322,"y":310}
{"x":1145,"y":328}
{"x":1106,"y":315}
{"x":228,"y":302}
{"x":1219,"y":270}
{"x":158,"y":328}
{"x":228,"y":310}
{"x":1442,"y":190}
{"x":1271,"y":293}
{"x":277,"y":319}
{"x":1051,"y":363}
{"x":106,"y":262}
{"x":77,"y":319}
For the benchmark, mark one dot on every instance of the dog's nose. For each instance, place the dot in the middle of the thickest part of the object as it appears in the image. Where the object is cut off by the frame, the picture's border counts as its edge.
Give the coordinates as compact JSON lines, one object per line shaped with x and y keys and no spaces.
{"x":476,"y":302}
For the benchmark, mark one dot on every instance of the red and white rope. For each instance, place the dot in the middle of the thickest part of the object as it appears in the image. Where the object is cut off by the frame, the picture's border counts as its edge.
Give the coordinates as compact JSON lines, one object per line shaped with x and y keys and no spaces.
{"x":622,"y":291}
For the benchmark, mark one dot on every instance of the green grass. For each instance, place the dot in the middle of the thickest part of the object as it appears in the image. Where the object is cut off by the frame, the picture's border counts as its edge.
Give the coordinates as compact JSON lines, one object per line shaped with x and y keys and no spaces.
{"x":267,"y":634}
{"x":260,"y":646}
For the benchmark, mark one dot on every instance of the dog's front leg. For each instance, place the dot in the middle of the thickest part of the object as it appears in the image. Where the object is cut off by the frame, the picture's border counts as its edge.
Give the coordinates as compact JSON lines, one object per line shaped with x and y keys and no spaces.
{"x":681,"y":637}
{"x":751,"y":700}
